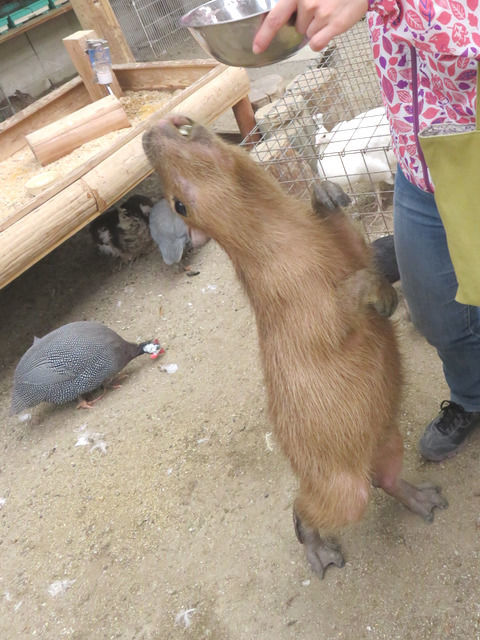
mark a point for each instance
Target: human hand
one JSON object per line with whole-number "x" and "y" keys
{"x": 319, "y": 20}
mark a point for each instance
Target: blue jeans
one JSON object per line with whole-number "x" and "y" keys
{"x": 429, "y": 285}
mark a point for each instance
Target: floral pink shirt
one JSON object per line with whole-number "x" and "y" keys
{"x": 446, "y": 37}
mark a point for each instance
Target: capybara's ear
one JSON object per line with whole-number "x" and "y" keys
{"x": 328, "y": 198}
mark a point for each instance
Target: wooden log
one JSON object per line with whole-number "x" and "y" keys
{"x": 161, "y": 75}
{"x": 66, "y": 134}
{"x": 76, "y": 45}
{"x": 56, "y": 104}
{"x": 23, "y": 245}
{"x": 99, "y": 15}
{"x": 36, "y": 234}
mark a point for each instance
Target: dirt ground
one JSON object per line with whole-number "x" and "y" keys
{"x": 189, "y": 508}
{"x": 165, "y": 511}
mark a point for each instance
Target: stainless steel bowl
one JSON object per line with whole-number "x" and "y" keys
{"x": 226, "y": 28}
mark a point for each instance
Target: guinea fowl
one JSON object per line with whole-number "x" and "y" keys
{"x": 172, "y": 236}
{"x": 122, "y": 232}
{"x": 70, "y": 361}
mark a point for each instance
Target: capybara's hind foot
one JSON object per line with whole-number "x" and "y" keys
{"x": 320, "y": 553}
{"x": 421, "y": 499}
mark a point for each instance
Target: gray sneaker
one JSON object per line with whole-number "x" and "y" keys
{"x": 444, "y": 435}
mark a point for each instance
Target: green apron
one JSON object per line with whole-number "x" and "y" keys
{"x": 452, "y": 154}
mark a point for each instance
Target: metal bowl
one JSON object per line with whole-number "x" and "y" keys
{"x": 226, "y": 28}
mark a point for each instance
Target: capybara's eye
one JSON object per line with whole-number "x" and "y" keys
{"x": 180, "y": 208}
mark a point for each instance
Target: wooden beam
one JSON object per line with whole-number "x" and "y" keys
{"x": 99, "y": 15}
{"x": 56, "y": 219}
{"x": 57, "y": 103}
{"x": 168, "y": 75}
{"x": 76, "y": 46}
{"x": 59, "y": 138}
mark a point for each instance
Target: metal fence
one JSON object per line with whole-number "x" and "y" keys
{"x": 152, "y": 27}
{"x": 331, "y": 124}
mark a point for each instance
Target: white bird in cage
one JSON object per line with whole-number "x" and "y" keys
{"x": 357, "y": 150}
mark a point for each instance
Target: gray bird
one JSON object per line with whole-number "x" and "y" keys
{"x": 70, "y": 361}
{"x": 169, "y": 232}
{"x": 172, "y": 236}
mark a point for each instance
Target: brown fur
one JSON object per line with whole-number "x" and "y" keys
{"x": 330, "y": 361}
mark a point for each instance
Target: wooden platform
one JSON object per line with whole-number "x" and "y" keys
{"x": 203, "y": 90}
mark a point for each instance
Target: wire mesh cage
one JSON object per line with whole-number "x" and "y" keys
{"x": 330, "y": 123}
{"x": 152, "y": 27}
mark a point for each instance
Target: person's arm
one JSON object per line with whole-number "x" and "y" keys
{"x": 319, "y": 20}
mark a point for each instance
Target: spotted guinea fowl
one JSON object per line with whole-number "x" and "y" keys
{"x": 70, "y": 361}
{"x": 172, "y": 236}
{"x": 122, "y": 232}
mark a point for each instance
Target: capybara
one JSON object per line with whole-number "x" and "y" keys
{"x": 329, "y": 354}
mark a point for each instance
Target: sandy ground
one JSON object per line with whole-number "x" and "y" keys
{"x": 189, "y": 508}
{"x": 181, "y": 527}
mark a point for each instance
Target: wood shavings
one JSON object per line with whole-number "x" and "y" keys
{"x": 59, "y": 586}
{"x": 184, "y": 617}
{"x": 22, "y": 165}
{"x": 93, "y": 440}
{"x": 169, "y": 368}
{"x": 268, "y": 441}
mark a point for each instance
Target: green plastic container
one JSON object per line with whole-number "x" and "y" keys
{"x": 33, "y": 10}
{"x": 3, "y": 25}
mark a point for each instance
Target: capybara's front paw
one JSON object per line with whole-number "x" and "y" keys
{"x": 328, "y": 197}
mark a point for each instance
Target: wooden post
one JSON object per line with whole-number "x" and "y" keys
{"x": 243, "y": 112}
{"x": 99, "y": 15}
{"x": 58, "y": 138}
{"x": 76, "y": 45}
